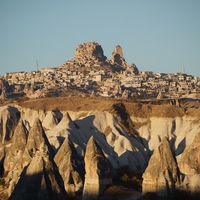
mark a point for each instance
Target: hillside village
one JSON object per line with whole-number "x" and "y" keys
{"x": 99, "y": 148}
{"x": 90, "y": 73}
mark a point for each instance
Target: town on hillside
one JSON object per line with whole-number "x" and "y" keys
{"x": 90, "y": 73}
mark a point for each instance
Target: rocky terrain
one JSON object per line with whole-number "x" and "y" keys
{"x": 90, "y": 55}
{"x": 97, "y": 128}
{"x": 72, "y": 147}
{"x": 91, "y": 74}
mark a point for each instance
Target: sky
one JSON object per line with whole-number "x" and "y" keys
{"x": 156, "y": 35}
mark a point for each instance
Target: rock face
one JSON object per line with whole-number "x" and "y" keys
{"x": 91, "y": 55}
{"x": 98, "y": 170}
{"x": 118, "y": 57}
{"x": 13, "y": 159}
{"x": 22, "y": 150}
{"x": 40, "y": 180}
{"x": 50, "y": 121}
{"x": 189, "y": 165}
{"x": 8, "y": 122}
{"x": 88, "y": 54}
{"x": 161, "y": 174}
{"x": 126, "y": 139}
{"x": 4, "y": 88}
{"x": 160, "y": 95}
{"x": 36, "y": 136}
{"x": 189, "y": 162}
{"x": 3, "y": 95}
{"x": 90, "y": 51}
{"x": 69, "y": 166}
{"x": 125, "y": 94}
{"x": 135, "y": 69}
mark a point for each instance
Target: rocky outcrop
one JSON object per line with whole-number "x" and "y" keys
{"x": 36, "y": 136}
{"x": 13, "y": 158}
{"x": 22, "y": 150}
{"x": 161, "y": 174}
{"x": 8, "y": 121}
{"x": 98, "y": 170}
{"x": 91, "y": 55}
{"x": 3, "y": 95}
{"x": 160, "y": 95}
{"x": 191, "y": 183}
{"x": 88, "y": 54}
{"x": 118, "y": 57}
{"x": 70, "y": 167}
{"x": 125, "y": 94}
{"x": 40, "y": 179}
{"x": 189, "y": 165}
{"x": 90, "y": 51}
{"x": 189, "y": 162}
{"x": 4, "y": 88}
{"x": 13, "y": 163}
{"x": 127, "y": 138}
{"x": 135, "y": 70}
{"x": 50, "y": 121}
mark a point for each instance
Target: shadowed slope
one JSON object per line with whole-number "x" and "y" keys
{"x": 69, "y": 167}
{"x": 40, "y": 179}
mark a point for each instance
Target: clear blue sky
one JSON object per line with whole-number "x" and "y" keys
{"x": 156, "y": 35}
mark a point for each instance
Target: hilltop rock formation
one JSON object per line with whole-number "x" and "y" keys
{"x": 40, "y": 179}
{"x": 87, "y": 55}
{"x": 90, "y": 51}
{"x": 118, "y": 57}
{"x": 134, "y": 69}
{"x": 70, "y": 167}
{"x": 98, "y": 170}
{"x": 161, "y": 174}
{"x": 91, "y": 55}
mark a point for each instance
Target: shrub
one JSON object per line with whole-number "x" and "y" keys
{"x": 129, "y": 177}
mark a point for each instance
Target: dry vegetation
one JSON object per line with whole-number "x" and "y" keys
{"x": 67, "y": 103}
{"x": 149, "y": 110}
{"x": 138, "y": 109}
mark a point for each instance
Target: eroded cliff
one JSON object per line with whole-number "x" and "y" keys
{"x": 127, "y": 134}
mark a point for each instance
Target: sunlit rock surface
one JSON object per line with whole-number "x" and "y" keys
{"x": 161, "y": 174}
{"x": 70, "y": 167}
{"x": 127, "y": 136}
{"x": 13, "y": 163}
{"x": 13, "y": 158}
{"x": 9, "y": 117}
{"x": 118, "y": 57}
{"x": 189, "y": 162}
{"x": 98, "y": 171}
{"x": 36, "y": 136}
{"x": 40, "y": 179}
